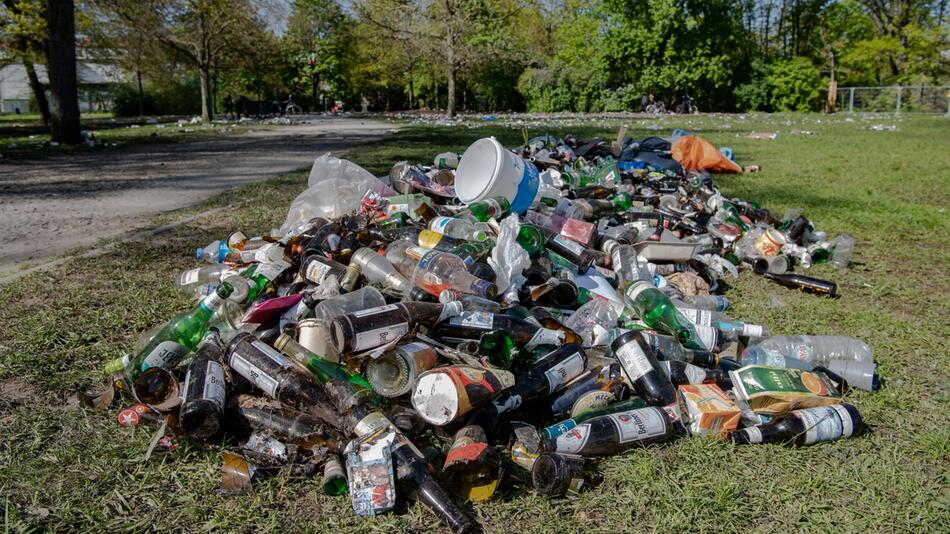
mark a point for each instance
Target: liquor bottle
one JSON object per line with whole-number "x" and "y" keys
{"x": 205, "y": 390}
{"x": 366, "y": 329}
{"x": 378, "y": 270}
{"x": 805, "y": 427}
{"x": 490, "y": 208}
{"x": 807, "y": 284}
{"x": 436, "y": 241}
{"x": 610, "y": 434}
{"x": 560, "y": 290}
{"x": 444, "y": 394}
{"x": 260, "y": 276}
{"x": 437, "y": 271}
{"x": 190, "y": 281}
{"x": 723, "y": 322}
{"x": 457, "y": 229}
{"x": 275, "y": 375}
{"x": 557, "y": 429}
{"x": 642, "y": 369}
{"x": 394, "y": 373}
{"x": 471, "y": 325}
{"x": 531, "y": 238}
{"x": 669, "y": 349}
{"x": 604, "y": 378}
{"x": 324, "y": 370}
{"x": 469, "y": 302}
{"x": 545, "y": 377}
{"x": 682, "y": 373}
{"x": 658, "y": 312}
{"x": 316, "y": 268}
{"x": 577, "y": 254}
{"x": 181, "y": 334}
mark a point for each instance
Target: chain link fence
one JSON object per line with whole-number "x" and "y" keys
{"x": 894, "y": 99}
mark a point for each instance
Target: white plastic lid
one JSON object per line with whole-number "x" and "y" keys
{"x": 478, "y": 169}
{"x": 436, "y": 398}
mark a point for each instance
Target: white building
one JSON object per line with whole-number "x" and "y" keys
{"x": 95, "y": 82}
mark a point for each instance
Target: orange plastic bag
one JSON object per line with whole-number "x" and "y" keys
{"x": 695, "y": 153}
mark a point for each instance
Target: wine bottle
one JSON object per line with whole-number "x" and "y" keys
{"x": 805, "y": 427}
{"x": 578, "y": 254}
{"x": 374, "y": 327}
{"x": 610, "y": 434}
{"x": 471, "y": 325}
{"x": 642, "y": 369}
{"x": 604, "y": 378}
{"x": 657, "y": 311}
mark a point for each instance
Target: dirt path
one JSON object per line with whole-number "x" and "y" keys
{"x": 53, "y": 205}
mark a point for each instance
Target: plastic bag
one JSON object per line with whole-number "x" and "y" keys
{"x": 335, "y": 187}
{"x": 508, "y": 258}
{"x": 595, "y": 312}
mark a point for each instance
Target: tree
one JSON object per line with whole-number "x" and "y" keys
{"x": 23, "y": 24}
{"x": 316, "y": 40}
{"x": 64, "y": 87}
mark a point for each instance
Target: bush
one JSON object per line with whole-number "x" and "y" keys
{"x": 754, "y": 96}
{"x": 794, "y": 85}
{"x": 169, "y": 98}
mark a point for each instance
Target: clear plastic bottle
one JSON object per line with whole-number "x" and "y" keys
{"x": 458, "y": 228}
{"x": 192, "y": 281}
{"x": 818, "y": 350}
{"x": 708, "y": 302}
{"x": 862, "y": 375}
{"x": 213, "y": 252}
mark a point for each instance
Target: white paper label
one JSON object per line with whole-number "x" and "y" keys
{"x": 271, "y": 353}
{"x": 753, "y": 330}
{"x": 573, "y": 441}
{"x": 825, "y": 423}
{"x": 271, "y": 270}
{"x": 374, "y": 311}
{"x": 564, "y": 372}
{"x": 166, "y": 354}
{"x": 545, "y": 336}
{"x": 634, "y": 361}
{"x": 699, "y": 317}
{"x": 439, "y": 223}
{"x": 259, "y": 378}
{"x": 189, "y": 277}
{"x": 569, "y": 244}
{"x": 474, "y": 319}
{"x": 638, "y": 425}
{"x": 214, "y": 387}
{"x": 379, "y": 336}
{"x": 706, "y": 336}
{"x": 317, "y": 272}
{"x": 755, "y": 435}
{"x": 695, "y": 374}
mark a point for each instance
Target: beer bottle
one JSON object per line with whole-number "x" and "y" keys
{"x": 394, "y": 373}
{"x": 324, "y": 370}
{"x": 444, "y": 394}
{"x": 643, "y": 370}
{"x": 471, "y": 325}
{"x": 657, "y": 311}
{"x": 573, "y": 251}
{"x": 805, "y": 427}
{"x": 366, "y": 329}
{"x": 473, "y": 251}
{"x": 204, "y": 390}
{"x": 173, "y": 341}
{"x": 682, "y": 373}
{"x": 378, "y": 270}
{"x": 531, "y": 238}
{"x": 560, "y": 290}
{"x": 807, "y": 284}
{"x": 490, "y": 208}
{"x": 610, "y": 434}
{"x": 540, "y": 270}
{"x": 472, "y": 467}
{"x": 556, "y": 475}
{"x": 604, "y": 378}
{"x": 591, "y": 191}
{"x": 564, "y": 426}
{"x": 277, "y": 377}
{"x": 545, "y": 377}
{"x": 252, "y": 413}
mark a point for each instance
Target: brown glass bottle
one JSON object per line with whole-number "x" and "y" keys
{"x": 572, "y": 251}
{"x": 374, "y": 327}
{"x": 807, "y": 284}
{"x": 643, "y": 370}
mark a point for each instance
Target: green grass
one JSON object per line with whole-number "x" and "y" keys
{"x": 67, "y": 469}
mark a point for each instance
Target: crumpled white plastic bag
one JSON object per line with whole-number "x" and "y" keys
{"x": 335, "y": 187}
{"x": 508, "y": 258}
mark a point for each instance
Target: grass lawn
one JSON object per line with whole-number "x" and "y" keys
{"x": 66, "y": 469}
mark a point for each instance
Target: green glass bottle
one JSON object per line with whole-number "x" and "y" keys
{"x": 622, "y": 201}
{"x": 472, "y": 251}
{"x": 606, "y": 173}
{"x": 531, "y": 238}
{"x": 260, "y": 275}
{"x": 182, "y": 334}
{"x": 325, "y": 370}
{"x": 490, "y": 208}
{"x": 656, "y": 310}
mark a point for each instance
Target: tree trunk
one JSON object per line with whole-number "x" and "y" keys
{"x": 452, "y": 68}
{"x": 64, "y": 108}
{"x": 204, "y": 80}
{"x": 138, "y": 78}
{"x": 39, "y": 92}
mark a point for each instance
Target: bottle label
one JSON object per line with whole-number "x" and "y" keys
{"x": 271, "y": 353}
{"x": 271, "y": 270}
{"x": 214, "y": 386}
{"x": 695, "y": 374}
{"x": 699, "y": 317}
{"x": 212, "y": 301}
{"x": 634, "y": 361}
{"x": 754, "y": 434}
{"x": 427, "y": 259}
{"x": 574, "y": 440}
{"x": 259, "y": 378}
{"x": 562, "y": 373}
{"x": 753, "y": 330}
{"x": 371, "y": 424}
{"x": 379, "y": 336}
{"x": 189, "y": 277}
{"x": 375, "y": 311}
{"x": 803, "y": 352}
{"x": 568, "y": 244}
{"x": 166, "y": 354}
{"x": 635, "y": 289}
{"x": 825, "y": 423}
{"x": 559, "y": 429}
{"x": 439, "y": 223}
{"x": 706, "y": 336}
{"x": 429, "y": 239}
{"x": 639, "y": 425}
{"x": 545, "y": 336}
{"x": 474, "y": 319}
{"x": 417, "y": 252}
{"x": 317, "y": 272}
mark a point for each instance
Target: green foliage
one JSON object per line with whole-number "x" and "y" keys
{"x": 754, "y": 95}
{"x": 171, "y": 97}
{"x": 794, "y": 85}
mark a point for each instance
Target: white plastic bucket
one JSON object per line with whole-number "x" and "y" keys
{"x": 488, "y": 170}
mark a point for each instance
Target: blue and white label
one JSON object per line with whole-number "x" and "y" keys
{"x": 527, "y": 189}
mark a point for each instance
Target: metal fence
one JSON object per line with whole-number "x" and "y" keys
{"x": 894, "y": 99}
